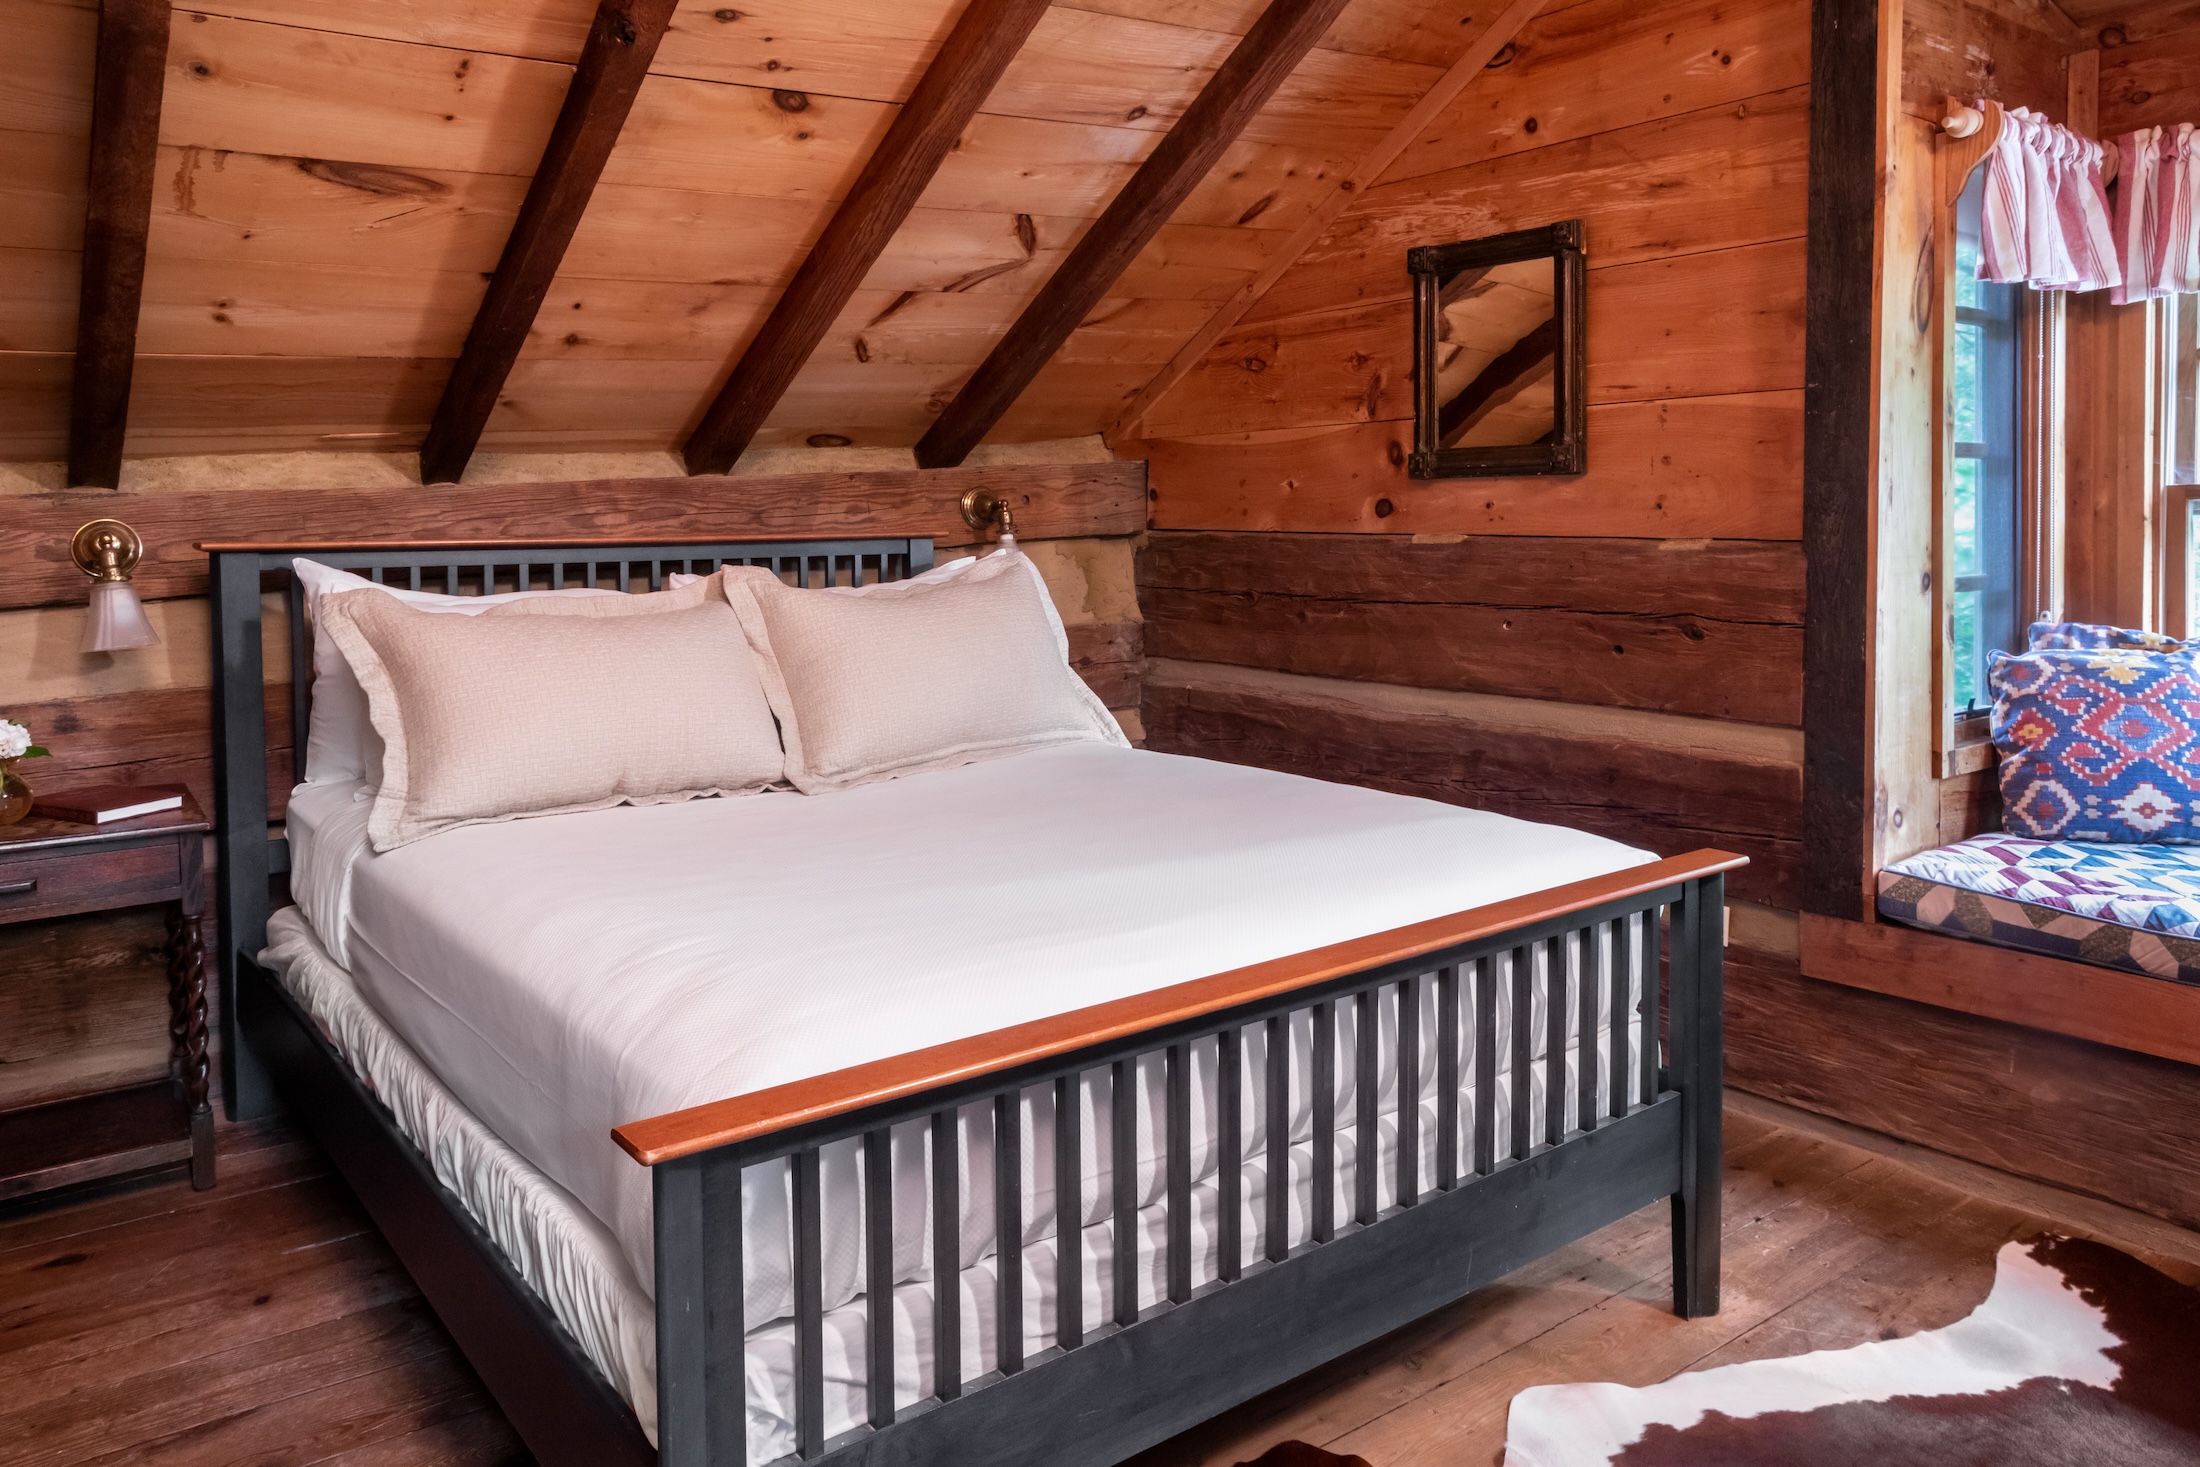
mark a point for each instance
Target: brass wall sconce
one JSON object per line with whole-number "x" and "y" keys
{"x": 107, "y": 551}
{"x": 984, "y": 510}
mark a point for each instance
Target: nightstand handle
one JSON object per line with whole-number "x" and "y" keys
{"x": 18, "y": 888}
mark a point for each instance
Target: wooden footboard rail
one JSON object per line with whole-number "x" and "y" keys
{"x": 1621, "y": 1132}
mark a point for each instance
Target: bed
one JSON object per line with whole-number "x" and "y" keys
{"x": 703, "y": 1161}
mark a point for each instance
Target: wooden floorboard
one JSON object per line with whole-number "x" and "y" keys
{"x": 265, "y": 1322}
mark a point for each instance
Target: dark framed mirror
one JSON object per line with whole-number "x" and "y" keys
{"x": 1499, "y": 352}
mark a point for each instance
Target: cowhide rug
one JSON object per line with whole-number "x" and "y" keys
{"x": 2080, "y": 1357}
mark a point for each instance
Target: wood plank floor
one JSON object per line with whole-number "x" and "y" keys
{"x": 265, "y": 1322}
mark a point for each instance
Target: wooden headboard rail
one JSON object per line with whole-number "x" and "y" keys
{"x": 778, "y": 1111}
{"x": 236, "y": 571}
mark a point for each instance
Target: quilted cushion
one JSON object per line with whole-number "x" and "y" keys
{"x": 2136, "y": 908}
{"x": 2049, "y": 636}
{"x": 2099, "y": 745}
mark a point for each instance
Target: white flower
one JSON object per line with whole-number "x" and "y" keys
{"x": 14, "y": 739}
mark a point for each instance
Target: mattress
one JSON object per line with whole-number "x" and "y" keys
{"x": 2133, "y": 907}
{"x": 741, "y": 942}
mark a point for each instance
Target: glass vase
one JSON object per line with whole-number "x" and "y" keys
{"x": 15, "y": 796}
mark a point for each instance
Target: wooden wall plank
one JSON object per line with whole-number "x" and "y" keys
{"x": 981, "y": 47}
{"x": 1111, "y": 658}
{"x": 1052, "y": 502}
{"x": 1726, "y": 468}
{"x": 1664, "y": 798}
{"x": 1610, "y": 64}
{"x": 126, "y": 102}
{"x": 1707, "y": 325}
{"x": 2104, "y": 1121}
{"x": 613, "y": 61}
{"x": 2153, "y": 82}
{"x": 2012, "y": 53}
{"x": 150, "y": 736}
{"x": 1582, "y": 620}
{"x": 1705, "y": 180}
{"x": 1722, "y": 580}
{"x": 1231, "y": 97}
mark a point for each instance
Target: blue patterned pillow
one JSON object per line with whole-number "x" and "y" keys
{"x": 2050, "y": 636}
{"x": 2098, "y": 745}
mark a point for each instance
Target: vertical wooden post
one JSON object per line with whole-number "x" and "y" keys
{"x": 1695, "y": 1061}
{"x": 118, "y": 208}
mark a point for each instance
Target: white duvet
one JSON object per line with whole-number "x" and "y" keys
{"x": 566, "y": 975}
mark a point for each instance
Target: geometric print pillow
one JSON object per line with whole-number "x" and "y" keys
{"x": 2098, "y": 745}
{"x": 2049, "y": 636}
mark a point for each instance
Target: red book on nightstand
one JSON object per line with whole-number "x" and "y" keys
{"x": 103, "y": 804}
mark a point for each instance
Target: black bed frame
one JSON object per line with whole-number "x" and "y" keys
{"x": 1112, "y": 1386}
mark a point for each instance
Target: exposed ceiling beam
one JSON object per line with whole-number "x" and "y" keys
{"x": 961, "y": 76}
{"x": 1472, "y": 63}
{"x": 128, "y": 71}
{"x": 613, "y": 62}
{"x": 1237, "y": 91}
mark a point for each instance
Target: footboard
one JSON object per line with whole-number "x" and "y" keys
{"x": 1560, "y": 989}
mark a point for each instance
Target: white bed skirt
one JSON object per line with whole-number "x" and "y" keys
{"x": 573, "y": 1261}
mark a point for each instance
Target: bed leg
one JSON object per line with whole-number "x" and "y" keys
{"x": 1695, "y": 1068}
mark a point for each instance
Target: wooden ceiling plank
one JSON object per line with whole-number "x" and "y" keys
{"x": 985, "y": 39}
{"x": 1470, "y": 65}
{"x": 1282, "y": 36}
{"x": 128, "y": 71}
{"x": 613, "y": 63}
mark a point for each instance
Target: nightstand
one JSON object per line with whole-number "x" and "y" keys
{"x": 52, "y": 868}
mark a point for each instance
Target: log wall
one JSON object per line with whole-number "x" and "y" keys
{"x": 1620, "y": 651}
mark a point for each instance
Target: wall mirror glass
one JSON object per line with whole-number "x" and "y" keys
{"x": 1498, "y": 355}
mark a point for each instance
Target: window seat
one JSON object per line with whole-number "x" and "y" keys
{"x": 2135, "y": 908}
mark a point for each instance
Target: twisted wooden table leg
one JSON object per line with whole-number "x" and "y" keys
{"x": 187, "y": 1024}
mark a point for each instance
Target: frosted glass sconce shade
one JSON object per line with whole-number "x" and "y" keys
{"x": 107, "y": 551}
{"x": 117, "y": 619}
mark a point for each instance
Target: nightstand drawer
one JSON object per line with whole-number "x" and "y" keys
{"x": 76, "y": 881}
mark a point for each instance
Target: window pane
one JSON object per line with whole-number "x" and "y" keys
{"x": 1984, "y": 535}
{"x": 2179, "y": 432}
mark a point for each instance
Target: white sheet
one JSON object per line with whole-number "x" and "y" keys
{"x": 566, "y": 975}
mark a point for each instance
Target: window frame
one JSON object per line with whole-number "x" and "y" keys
{"x": 1961, "y": 742}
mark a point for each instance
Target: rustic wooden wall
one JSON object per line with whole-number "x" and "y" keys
{"x": 1620, "y": 651}
{"x": 2150, "y": 65}
{"x": 83, "y": 1002}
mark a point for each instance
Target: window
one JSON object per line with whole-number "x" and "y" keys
{"x": 2180, "y": 438}
{"x": 1983, "y": 519}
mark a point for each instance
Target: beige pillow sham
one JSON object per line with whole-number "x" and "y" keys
{"x": 874, "y": 682}
{"x": 546, "y": 707}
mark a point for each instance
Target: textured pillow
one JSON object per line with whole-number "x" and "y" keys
{"x": 536, "y": 708}
{"x": 2098, "y": 745}
{"x": 2051, "y": 636}
{"x": 341, "y": 744}
{"x": 969, "y": 662}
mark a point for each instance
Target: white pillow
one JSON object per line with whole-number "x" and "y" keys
{"x": 341, "y": 744}
{"x": 966, "y": 662}
{"x": 546, "y": 709}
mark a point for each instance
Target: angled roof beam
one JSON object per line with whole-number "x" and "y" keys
{"x": 1478, "y": 57}
{"x": 961, "y": 76}
{"x": 127, "y": 74}
{"x": 1283, "y": 35}
{"x": 615, "y": 58}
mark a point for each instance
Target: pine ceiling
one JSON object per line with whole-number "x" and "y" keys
{"x": 336, "y": 180}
